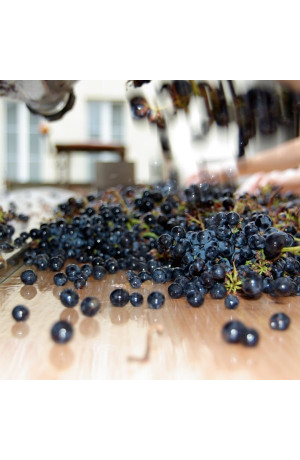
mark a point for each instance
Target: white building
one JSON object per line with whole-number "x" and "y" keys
{"x": 101, "y": 111}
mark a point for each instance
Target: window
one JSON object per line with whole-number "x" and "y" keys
{"x": 23, "y": 144}
{"x": 11, "y": 141}
{"x": 94, "y": 124}
{"x": 117, "y": 123}
{"x": 34, "y": 149}
{"x": 105, "y": 124}
{"x": 106, "y": 121}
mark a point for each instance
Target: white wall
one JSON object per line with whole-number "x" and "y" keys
{"x": 140, "y": 139}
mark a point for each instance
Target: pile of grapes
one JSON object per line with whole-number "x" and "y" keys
{"x": 7, "y": 231}
{"x": 202, "y": 241}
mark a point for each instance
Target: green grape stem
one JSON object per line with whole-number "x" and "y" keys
{"x": 292, "y": 250}
{"x": 149, "y": 235}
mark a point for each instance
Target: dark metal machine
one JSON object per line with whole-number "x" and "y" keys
{"x": 48, "y": 98}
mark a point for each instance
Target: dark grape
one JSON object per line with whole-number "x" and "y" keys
{"x": 195, "y": 298}
{"x": 155, "y": 300}
{"x": 175, "y": 291}
{"x": 136, "y": 299}
{"x": 119, "y": 297}
{"x": 280, "y": 321}
{"x": 90, "y": 306}
{"x": 250, "y": 338}
{"x": 234, "y": 332}
{"x": 62, "y": 332}
{"x": 231, "y": 301}
{"x": 28, "y": 277}
{"x": 284, "y": 286}
{"x": 20, "y": 313}
{"x": 69, "y": 298}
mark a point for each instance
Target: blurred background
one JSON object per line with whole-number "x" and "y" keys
{"x": 102, "y": 114}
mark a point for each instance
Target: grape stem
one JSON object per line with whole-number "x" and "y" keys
{"x": 293, "y": 249}
{"x": 149, "y": 235}
{"x": 233, "y": 283}
{"x": 121, "y": 200}
{"x": 197, "y": 221}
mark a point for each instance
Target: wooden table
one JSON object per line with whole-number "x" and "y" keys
{"x": 65, "y": 150}
{"x": 112, "y": 344}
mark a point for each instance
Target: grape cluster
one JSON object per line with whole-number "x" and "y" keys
{"x": 201, "y": 240}
{"x": 6, "y": 233}
{"x": 7, "y": 230}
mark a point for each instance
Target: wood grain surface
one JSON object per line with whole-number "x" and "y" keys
{"x": 186, "y": 342}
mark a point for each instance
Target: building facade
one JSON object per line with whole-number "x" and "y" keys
{"x": 101, "y": 112}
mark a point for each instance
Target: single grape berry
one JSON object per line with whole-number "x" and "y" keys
{"x": 253, "y": 285}
{"x": 119, "y": 297}
{"x": 69, "y": 298}
{"x": 284, "y": 286}
{"x": 41, "y": 263}
{"x": 218, "y": 272}
{"x": 175, "y": 291}
{"x": 145, "y": 276}
{"x": 80, "y": 282}
{"x": 90, "y": 306}
{"x": 62, "y": 332}
{"x": 280, "y": 321}
{"x": 86, "y": 270}
{"x": 28, "y": 277}
{"x": 232, "y": 218}
{"x": 251, "y": 337}
{"x": 189, "y": 287}
{"x": 178, "y": 232}
{"x": 268, "y": 286}
{"x": 256, "y": 241}
{"x": 99, "y": 272}
{"x": 273, "y": 244}
{"x": 72, "y": 272}
{"x": 231, "y": 301}
{"x": 56, "y": 263}
{"x": 112, "y": 266}
{"x": 165, "y": 241}
{"x": 159, "y": 275}
{"x": 234, "y": 332}
{"x": 20, "y": 313}
{"x": 263, "y": 221}
{"x": 135, "y": 282}
{"x": 155, "y": 300}
{"x": 136, "y": 299}
{"x": 195, "y": 298}
{"x": 218, "y": 291}
{"x": 60, "y": 279}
